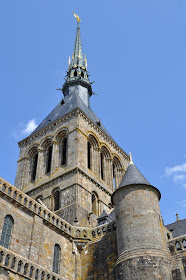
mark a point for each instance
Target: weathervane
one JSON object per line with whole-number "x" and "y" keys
{"x": 77, "y": 17}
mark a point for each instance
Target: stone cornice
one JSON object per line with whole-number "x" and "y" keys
{"x": 75, "y": 112}
{"x": 74, "y": 170}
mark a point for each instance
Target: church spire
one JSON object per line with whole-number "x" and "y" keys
{"x": 77, "y": 73}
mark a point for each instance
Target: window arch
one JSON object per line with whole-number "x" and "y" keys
{"x": 117, "y": 174}
{"x": 7, "y": 231}
{"x": 48, "y": 159}
{"x": 104, "y": 154}
{"x": 56, "y": 259}
{"x": 33, "y": 155}
{"x": 57, "y": 202}
{"x": 95, "y": 203}
{"x": 91, "y": 152}
{"x": 63, "y": 146}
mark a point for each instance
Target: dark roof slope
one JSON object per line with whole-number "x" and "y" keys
{"x": 178, "y": 228}
{"x": 133, "y": 177}
{"x": 71, "y": 102}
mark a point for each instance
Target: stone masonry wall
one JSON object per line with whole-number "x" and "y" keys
{"x": 33, "y": 239}
{"x": 98, "y": 259}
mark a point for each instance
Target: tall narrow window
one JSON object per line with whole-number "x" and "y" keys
{"x": 7, "y": 231}
{"x": 89, "y": 155}
{"x": 64, "y": 151}
{"x": 56, "y": 260}
{"x": 56, "y": 200}
{"x": 49, "y": 159}
{"x": 34, "y": 167}
{"x": 102, "y": 166}
{"x": 114, "y": 177}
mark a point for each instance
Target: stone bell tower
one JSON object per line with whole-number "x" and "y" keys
{"x": 142, "y": 253}
{"x": 70, "y": 163}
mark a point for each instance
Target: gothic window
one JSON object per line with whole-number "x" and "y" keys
{"x": 56, "y": 200}
{"x": 34, "y": 166}
{"x": 48, "y": 159}
{"x": 56, "y": 259}
{"x": 63, "y": 151}
{"x": 117, "y": 175}
{"x": 82, "y": 74}
{"x": 92, "y": 154}
{"x": 7, "y": 231}
{"x": 89, "y": 154}
{"x": 95, "y": 203}
{"x": 75, "y": 73}
{"x": 114, "y": 176}
{"x": 102, "y": 166}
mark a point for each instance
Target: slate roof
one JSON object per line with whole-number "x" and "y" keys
{"x": 71, "y": 102}
{"x": 178, "y": 228}
{"x": 133, "y": 177}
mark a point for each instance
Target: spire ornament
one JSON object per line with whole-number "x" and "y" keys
{"x": 77, "y": 17}
{"x": 131, "y": 162}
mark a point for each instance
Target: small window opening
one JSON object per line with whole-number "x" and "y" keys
{"x": 168, "y": 236}
{"x": 56, "y": 200}
{"x": 49, "y": 159}
{"x": 89, "y": 155}
{"x": 102, "y": 165}
{"x": 82, "y": 74}
{"x": 56, "y": 259}
{"x": 64, "y": 151}
{"x": 34, "y": 167}
{"x": 75, "y": 73}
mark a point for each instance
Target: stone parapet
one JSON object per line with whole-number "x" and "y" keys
{"x": 23, "y": 267}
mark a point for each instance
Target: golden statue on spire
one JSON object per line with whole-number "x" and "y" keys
{"x": 130, "y": 156}
{"x": 77, "y": 17}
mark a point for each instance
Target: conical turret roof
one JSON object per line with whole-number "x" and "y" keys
{"x": 133, "y": 177}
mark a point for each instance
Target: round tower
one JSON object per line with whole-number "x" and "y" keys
{"x": 141, "y": 246}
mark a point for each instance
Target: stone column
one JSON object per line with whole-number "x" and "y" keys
{"x": 40, "y": 165}
{"x": 55, "y": 156}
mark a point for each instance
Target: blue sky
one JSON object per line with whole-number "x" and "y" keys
{"x": 136, "y": 52}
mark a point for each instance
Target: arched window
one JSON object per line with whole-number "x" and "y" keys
{"x": 95, "y": 203}
{"x": 56, "y": 200}
{"x": 89, "y": 155}
{"x": 114, "y": 177}
{"x": 56, "y": 259}
{"x": 7, "y": 231}
{"x": 34, "y": 166}
{"x": 82, "y": 74}
{"x": 102, "y": 166}
{"x": 75, "y": 73}
{"x": 63, "y": 151}
{"x": 48, "y": 159}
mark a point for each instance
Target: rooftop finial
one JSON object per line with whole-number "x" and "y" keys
{"x": 77, "y": 17}
{"x": 177, "y": 217}
{"x": 131, "y": 162}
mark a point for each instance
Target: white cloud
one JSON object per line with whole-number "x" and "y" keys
{"x": 177, "y": 174}
{"x": 179, "y": 178}
{"x": 24, "y": 129}
{"x": 29, "y": 127}
{"x": 177, "y": 168}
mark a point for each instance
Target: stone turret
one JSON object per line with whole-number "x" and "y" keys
{"x": 140, "y": 241}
